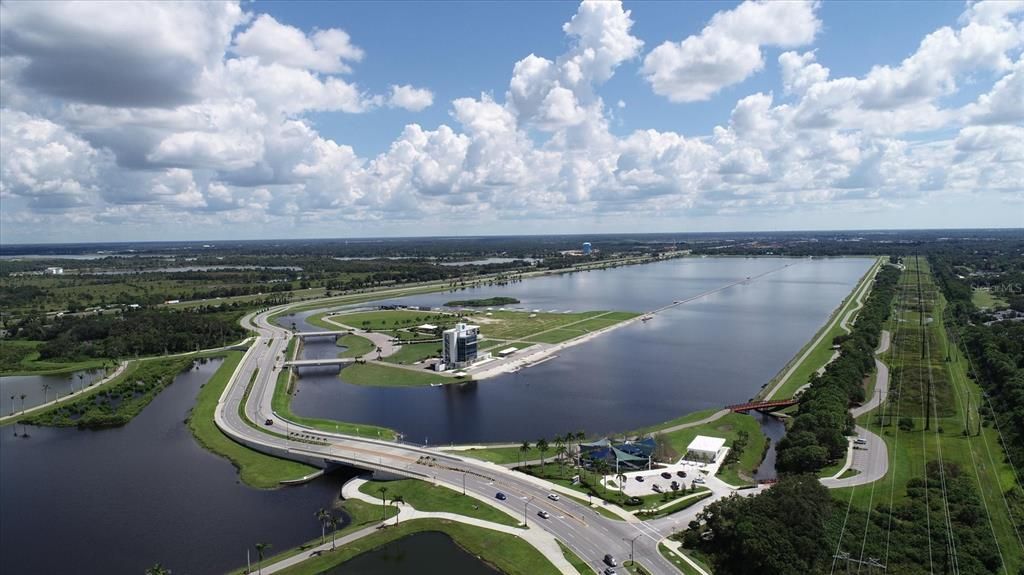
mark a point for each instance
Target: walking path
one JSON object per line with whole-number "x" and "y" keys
{"x": 73, "y": 395}
{"x": 541, "y": 540}
{"x": 860, "y": 290}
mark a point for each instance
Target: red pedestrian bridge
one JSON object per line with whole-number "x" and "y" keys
{"x": 762, "y": 405}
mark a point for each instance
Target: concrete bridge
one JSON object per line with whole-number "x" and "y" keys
{"x": 295, "y": 364}
{"x": 305, "y": 334}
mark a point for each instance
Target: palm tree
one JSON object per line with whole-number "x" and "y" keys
{"x": 12, "y": 404}
{"x": 383, "y": 508}
{"x": 260, "y": 547}
{"x": 158, "y": 569}
{"x": 580, "y": 436}
{"x": 46, "y": 391}
{"x": 398, "y": 499}
{"x": 322, "y": 516}
{"x": 622, "y": 482}
{"x": 332, "y": 522}
{"x": 542, "y": 446}
{"x": 23, "y": 396}
{"x": 523, "y": 449}
{"x": 562, "y": 452}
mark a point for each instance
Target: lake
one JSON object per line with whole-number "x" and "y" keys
{"x": 707, "y": 353}
{"x": 119, "y": 500}
{"x": 32, "y": 387}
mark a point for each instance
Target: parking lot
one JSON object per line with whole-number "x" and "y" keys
{"x": 652, "y": 478}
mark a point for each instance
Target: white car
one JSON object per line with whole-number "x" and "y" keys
{"x": 543, "y": 514}
{"x": 553, "y": 496}
{"x": 698, "y": 480}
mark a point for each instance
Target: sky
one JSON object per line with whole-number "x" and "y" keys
{"x": 173, "y": 121}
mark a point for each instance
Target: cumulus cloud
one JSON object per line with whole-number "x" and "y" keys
{"x": 271, "y": 42}
{"x": 239, "y": 146}
{"x": 728, "y": 49}
{"x": 116, "y": 53}
{"x": 410, "y": 98}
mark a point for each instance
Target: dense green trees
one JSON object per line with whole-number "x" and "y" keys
{"x": 819, "y": 430}
{"x": 780, "y": 531}
{"x": 139, "y": 332}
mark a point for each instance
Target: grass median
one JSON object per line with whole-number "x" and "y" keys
{"x": 425, "y": 496}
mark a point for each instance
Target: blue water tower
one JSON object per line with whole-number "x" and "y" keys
{"x": 586, "y": 248}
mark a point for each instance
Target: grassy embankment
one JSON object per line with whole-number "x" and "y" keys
{"x": 254, "y": 468}
{"x": 508, "y": 553}
{"x": 425, "y": 496}
{"x": 281, "y": 404}
{"x": 822, "y": 350}
{"x": 920, "y": 346}
{"x": 360, "y": 514}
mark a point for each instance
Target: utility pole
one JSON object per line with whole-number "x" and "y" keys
{"x": 631, "y": 544}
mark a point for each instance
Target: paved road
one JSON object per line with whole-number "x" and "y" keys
{"x": 580, "y": 527}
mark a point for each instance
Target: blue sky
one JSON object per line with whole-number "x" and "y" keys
{"x": 312, "y": 119}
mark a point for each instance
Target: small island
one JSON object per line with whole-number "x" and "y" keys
{"x": 491, "y": 301}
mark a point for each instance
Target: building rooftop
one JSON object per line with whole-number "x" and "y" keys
{"x": 705, "y": 443}
{"x": 427, "y": 327}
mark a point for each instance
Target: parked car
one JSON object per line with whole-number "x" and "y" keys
{"x": 544, "y": 514}
{"x": 268, "y": 422}
{"x": 666, "y": 475}
{"x": 610, "y": 560}
{"x": 501, "y": 496}
{"x": 681, "y": 473}
{"x": 553, "y": 496}
{"x": 656, "y": 488}
{"x": 640, "y": 478}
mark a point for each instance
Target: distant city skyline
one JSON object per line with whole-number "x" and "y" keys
{"x": 218, "y": 121}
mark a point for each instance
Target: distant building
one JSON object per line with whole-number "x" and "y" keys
{"x": 460, "y": 343}
{"x": 587, "y": 248}
{"x": 54, "y": 271}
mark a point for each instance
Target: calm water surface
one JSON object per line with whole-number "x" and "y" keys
{"x": 119, "y": 500}
{"x": 13, "y": 386}
{"x": 426, "y": 552}
{"x": 713, "y": 351}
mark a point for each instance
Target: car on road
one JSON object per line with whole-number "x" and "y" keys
{"x": 861, "y": 441}
{"x": 640, "y": 478}
{"x": 268, "y": 422}
{"x": 698, "y": 480}
{"x": 666, "y": 475}
{"x": 681, "y": 473}
{"x": 553, "y": 496}
{"x": 609, "y": 571}
{"x": 500, "y": 496}
{"x": 543, "y": 514}
{"x": 610, "y": 560}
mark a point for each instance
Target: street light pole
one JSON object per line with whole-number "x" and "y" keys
{"x": 526, "y": 506}
{"x": 463, "y": 482}
{"x": 632, "y": 542}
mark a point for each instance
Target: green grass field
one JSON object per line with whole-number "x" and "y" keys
{"x": 254, "y": 468}
{"x": 426, "y": 496}
{"x": 508, "y": 553}
{"x": 412, "y": 352}
{"x": 985, "y": 299}
{"x": 502, "y": 454}
{"x": 393, "y": 319}
{"x": 355, "y": 345}
{"x": 956, "y": 399}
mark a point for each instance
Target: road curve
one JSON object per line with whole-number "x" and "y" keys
{"x": 580, "y": 527}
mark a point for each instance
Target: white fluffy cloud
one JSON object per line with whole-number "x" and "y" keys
{"x": 728, "y": 50}
{"x": 237, "y": 144}
{"x": 271, "y": 42}
{"x": 410, "y": 98}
